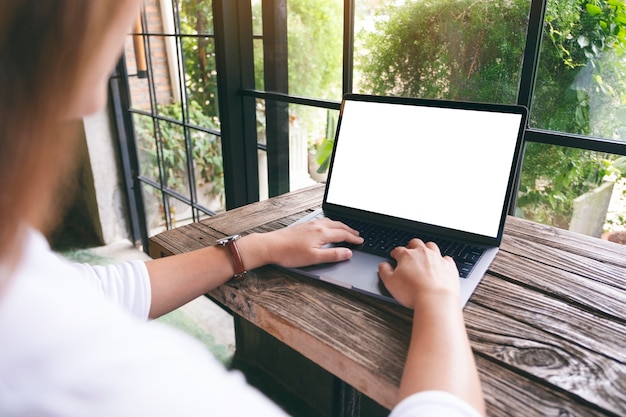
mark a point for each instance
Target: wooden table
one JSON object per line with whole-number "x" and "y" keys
{"x": 547, "y": 323}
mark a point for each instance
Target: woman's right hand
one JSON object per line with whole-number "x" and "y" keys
{"x": 421, "y": 274}
{"x": 439, "y": 357}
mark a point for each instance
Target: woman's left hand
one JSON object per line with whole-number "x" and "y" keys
{"x": 304, "y": 244}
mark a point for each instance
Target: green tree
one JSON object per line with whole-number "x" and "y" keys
{"x": 581, "y": 40}
{"x": 553, "y": 177}
{"x": 472, "y": 50}
{"x": 169, "y": 138}
{"x": 196, "y": 18}
{"x": 315, "y": 48}
{"x": 456, "y": 49}
{"x": 314, "y": 58}
{"x": 578, "y": 75}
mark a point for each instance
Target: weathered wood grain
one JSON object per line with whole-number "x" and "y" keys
{"x": 507, "y": 393}
{"x": 326, "y": 326}
{"x": 282, "y": 210}
{"x": 361, "y": 345}
{"x": 588, "y": 269}
{"x": 599, "y": 293}
{"x": 547, "y": 323}
{"x": 515, "y": 335}
{"x": 182, "y": 239}
{"x": 586, "y": 246}
{"x": 597, "y": 334}
{"x": 254, "y": 215}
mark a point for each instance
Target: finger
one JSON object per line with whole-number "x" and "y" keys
{"x": 342, "y": 235}
{"x": 433, "y": 246}
{"x": 451, "y": 262}
{"x": 335, "y": 225}
{"x": 344, "y": 226}
{"x": 396, "y": 252}
{"x": 337, "y": 254}
{"x": 415, "y": 243}
{"x": 385, "y": 270}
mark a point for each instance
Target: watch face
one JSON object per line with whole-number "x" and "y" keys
{"x": 226, "y": 239}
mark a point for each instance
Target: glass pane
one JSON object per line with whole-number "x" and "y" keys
{"x": 262, "y": 154}
{"x": 259, "y": 81}
{"x": 581, "y": 79}
{"x": 160, "y": 56}
{"x": 311, "y": 137}
{"x": 180, "y": 212}
{"x": 159, "y": 16}
{"x": 257, "y": 19}
{"x": 208, "y": 168}
{"x": 146, "y": 147}
{"x": 315, "y": 48}
{"x": 174, "y": 158}
{"x": 261, "y": 137}
{"x": 163, "y": 68}
{"x": 263, "y": 176}
{"x": 196, "y": 17}
{"x": 444, "y": 49}
{"x": 573, "y": 189}
{"x": 311, "y": 134}
{"x": 201, "y": 81}
{"x": 139, "y": 87}
{"x": 202, "y": 216}
{"x": 155, "y": 213}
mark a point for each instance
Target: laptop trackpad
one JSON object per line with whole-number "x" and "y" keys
{"x": 359, "y": 272}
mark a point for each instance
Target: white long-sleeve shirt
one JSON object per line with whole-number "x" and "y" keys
{"x": 75, "y": 342}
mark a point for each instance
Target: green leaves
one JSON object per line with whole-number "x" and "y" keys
{"x": 554, "y": 176}
{"x": 168, "y": 144}
{"x": 593, "y": 9}
{"x": 454, "y": 49}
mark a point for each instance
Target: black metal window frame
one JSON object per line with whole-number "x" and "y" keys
{"x": 274, "y": 14}
{"x": 233, "y": 36}
{"x": 120, "y": 99}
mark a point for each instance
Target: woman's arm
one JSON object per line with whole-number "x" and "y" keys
{"x": 439, "y": 356}
{"x": 176, "y": 280}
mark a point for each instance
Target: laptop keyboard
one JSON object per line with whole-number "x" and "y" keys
{"x": 380, "y": 240}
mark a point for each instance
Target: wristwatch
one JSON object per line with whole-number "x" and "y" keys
{"x": 230, "y": 242}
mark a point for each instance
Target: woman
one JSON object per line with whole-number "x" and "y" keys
{"x": 75, "y": 339}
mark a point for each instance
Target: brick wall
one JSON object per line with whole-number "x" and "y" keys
{"x": 156, "y": 47}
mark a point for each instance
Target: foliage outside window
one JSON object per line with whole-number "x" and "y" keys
{"x": 199, "y": 53}
{"x": 206, "y": 152}
{"x": 314, "y": 43}
{"x": 447, "y": 49}
{"x": 169, "y": 149}
{"x": 472, "y": 50}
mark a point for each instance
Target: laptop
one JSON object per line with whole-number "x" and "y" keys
{"x": 443, "y": 171}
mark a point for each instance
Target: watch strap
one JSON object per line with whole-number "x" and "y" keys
{"x": 235, "y": 255}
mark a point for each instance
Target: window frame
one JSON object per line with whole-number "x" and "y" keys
{"x": 237, "y": 94}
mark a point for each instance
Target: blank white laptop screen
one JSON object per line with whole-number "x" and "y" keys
{"x": 440, "y": 166}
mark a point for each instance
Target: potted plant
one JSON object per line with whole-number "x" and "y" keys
{"x": 321, "y": 150}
